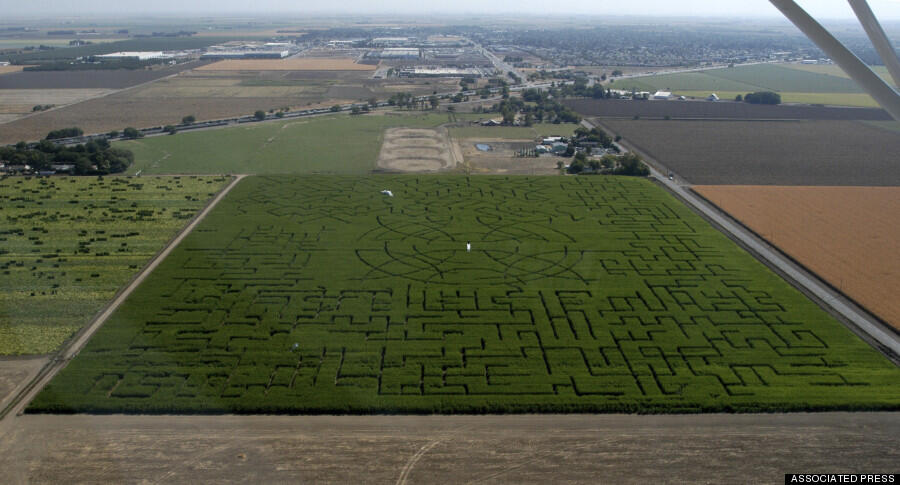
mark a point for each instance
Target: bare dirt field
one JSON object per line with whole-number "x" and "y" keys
{"x": 769, "y": 152}
{"x": 616, "y": 108}
{"x": 502, "y": 159}
{"x": 21, "y": 101}
{"x": 214, "y": 95}
{"x": 416, "y": 150}
{"x": 15, "y": 373}
{"x": 100, "y": 79}
{"x": 10, "y": 69}
{"x": 446, "y": 449}
{"x": 850, "y": 236}
{"x": 290, "y": 64}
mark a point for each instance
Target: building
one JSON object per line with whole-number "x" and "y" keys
{"x": 662, "y": 95}
{"x": 387, "y": 41}
{"x": 712, "y": 97}
{"x": 136, "y": 55}
{"x": 398, "y": 53}
{"x": 438, "y": 72}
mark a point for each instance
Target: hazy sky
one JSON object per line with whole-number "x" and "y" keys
{"x": 885, "y": 9}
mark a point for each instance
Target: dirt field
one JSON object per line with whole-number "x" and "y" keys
{"x": 850, "y": 236}
{"x": 614, "y": 108}
{"x": 291, "y": 64}
{"x": 213, "y": 95}
{"x": 21, "y": 101}
{"x": 768, "y": 153}
{"x": 16, "y": 372}
{"x": 416, "y": 150}
{"x": 501, "y": 159}
{"x": 446, "y": 449}
{"x": 10, "y": 69}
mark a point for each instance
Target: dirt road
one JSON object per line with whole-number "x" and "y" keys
{"x": 446, "y": 449}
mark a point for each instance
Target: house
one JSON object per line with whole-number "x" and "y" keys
{"x": 551, "y": 140}
{"x": 492, "y": 122}
{"x": 712, "y": 97}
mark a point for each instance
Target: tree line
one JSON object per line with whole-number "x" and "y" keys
{"x": 95, "y": 157}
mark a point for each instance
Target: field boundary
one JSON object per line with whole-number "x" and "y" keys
{"x": 854, "y": 317}
{"x": 860, "y": 306}
{"x": 74, "y": 345}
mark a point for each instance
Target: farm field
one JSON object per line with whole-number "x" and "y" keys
{"x": 860, "y": 100}
{"x": 100, "y": 79}
{"x": 10, "y": 69}
{"x": 796, "y": 83}
{"x": 340, "y": 144}
{"x": 69, "y": 243}
{"x": 767, "y": 153}
{"x": 291, "y": 64}
{"x": 318, "y": 294}
{"x": 215, "y": 95}
{"x": 615, "y": 108}
{"x": 847, "y": 235}
{"x": 834, "y": 69}
{"x": 22, "y": 101}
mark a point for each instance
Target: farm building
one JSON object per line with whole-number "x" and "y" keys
{"x": 662, "y": 95}
{"x": 141, "y": 56}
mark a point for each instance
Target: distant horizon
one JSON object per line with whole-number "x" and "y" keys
{"x": 826, "y": 10}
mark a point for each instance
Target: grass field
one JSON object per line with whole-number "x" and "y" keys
{"x": 796, "y": 83}
{"x": 68, "y": 243}
{"x": 318, "y": 294}
{"x": 846, "y": 235}
{"x": 340, "y": 144}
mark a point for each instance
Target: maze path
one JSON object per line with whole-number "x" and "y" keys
{"x": 319, "y": 294}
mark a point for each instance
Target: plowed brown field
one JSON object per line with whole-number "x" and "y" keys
{"x": 292, "y": 64}
{"x": 850, "y": 236}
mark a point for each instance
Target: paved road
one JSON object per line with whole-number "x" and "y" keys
{"x": 59, "y": 361}
{"x": 865, "y": 324}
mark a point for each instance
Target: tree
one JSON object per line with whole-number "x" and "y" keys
{"x": 170, "y": 129}
{"x": 355, "y": 110}
{"x": 188, "y": 120}
{"x": 113, "y": 134}
{"x": 335, "y": 108}
{"x": 64, "y": 133}
{"x": 132, "y": 133}
{"x": 279, "y": 114}
{"x": 763, "y": 97}
{"x": 260, "y": 115}
{"x": 373, "y": 102}
{"x": 738, "y": 98}
{"x": 616, "y": 73}
{"x": 434, "y": 101}
{"x": 529, "y": 119}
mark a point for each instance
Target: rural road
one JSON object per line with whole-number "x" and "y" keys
{"x": 867, "y": 326}
{"x": 612, "y": 448}
{"x": 59, "y": 361}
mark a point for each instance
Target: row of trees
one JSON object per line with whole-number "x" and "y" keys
{"x": 92, "y": 158}
{"x": 628, "y": 164}
{"x": 761, "y": 97}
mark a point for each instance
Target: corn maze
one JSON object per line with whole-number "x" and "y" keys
{"x": 68, "y": 243}
{"x": 320, "y": 294}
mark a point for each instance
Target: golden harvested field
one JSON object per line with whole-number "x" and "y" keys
{"x": 21, "y": 101}
{"x": 9, "y": 69}
{"x": 292, "y": 64}
{"x": 850, "y": 236}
